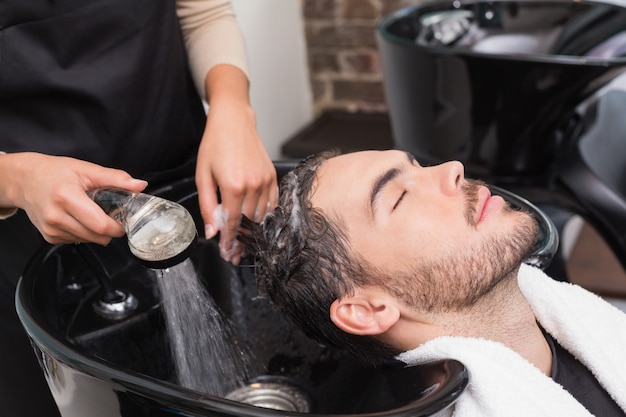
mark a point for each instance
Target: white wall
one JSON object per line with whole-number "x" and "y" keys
{"x": 280, "y": 89}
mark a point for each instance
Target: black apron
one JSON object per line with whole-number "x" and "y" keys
{"x": 102, "y": 80}
{"x": 105, "y": 81}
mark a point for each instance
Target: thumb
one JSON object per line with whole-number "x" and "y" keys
{"x": 109, "y": 177}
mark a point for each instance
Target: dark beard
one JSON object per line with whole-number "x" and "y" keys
{"x": 456, "y": 281}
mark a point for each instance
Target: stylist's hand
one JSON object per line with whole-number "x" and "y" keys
{"x": 233, "y": 160}
{"x": 52, "y": 191}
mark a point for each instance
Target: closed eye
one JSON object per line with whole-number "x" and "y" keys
{"x": 399, "y": 200}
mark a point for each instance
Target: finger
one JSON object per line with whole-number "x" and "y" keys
{"x": 267, "y": 204}
{"x": 90, "y": 223}
{"x": 252, "y": 204}
{"x": 207, "y": 198}
{"x": 108, "y": 177}
{"x": 66, "y": 229}
{"x": 260, "y": 196}
{"x": 237, "y": 252}
{"x": 232, "y": 206}
{"x": 273, "y": 200}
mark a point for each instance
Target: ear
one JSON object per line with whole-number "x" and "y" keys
{"x": 364, "y": 314}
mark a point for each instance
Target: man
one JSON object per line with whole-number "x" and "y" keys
{"x": 374, "y": 253}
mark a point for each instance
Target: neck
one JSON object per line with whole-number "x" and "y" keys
{"x": 504, "y": 316}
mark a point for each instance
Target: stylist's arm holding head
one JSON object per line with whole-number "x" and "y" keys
{"x": 233, "y": 160}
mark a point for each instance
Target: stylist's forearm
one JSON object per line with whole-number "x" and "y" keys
{"x": 232, "y": 159}
{"x": 7, "y": 187}
{"x": 230, "y": 134}
{"x": 227, "y": 82}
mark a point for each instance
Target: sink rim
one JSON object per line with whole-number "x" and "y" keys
{"x": 77, "y": 358}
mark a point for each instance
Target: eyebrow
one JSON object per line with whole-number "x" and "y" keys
{"x": 383, "y": 181}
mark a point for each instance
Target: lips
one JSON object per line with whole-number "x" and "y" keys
{"x": 486, "y": 203}
{"x": 484, "y": 199}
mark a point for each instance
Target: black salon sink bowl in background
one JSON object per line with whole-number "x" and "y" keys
{"x": 501, "y": 97}
{"x": 102, "y": 367}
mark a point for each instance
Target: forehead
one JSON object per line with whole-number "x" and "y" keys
{"x": 347, "y": 179}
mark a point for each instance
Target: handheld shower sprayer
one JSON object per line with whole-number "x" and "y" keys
{"x": 160, "y": 232}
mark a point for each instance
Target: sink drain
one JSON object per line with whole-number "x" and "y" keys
{"x": 272, "y": 392}
{"x": 118, "y": 308}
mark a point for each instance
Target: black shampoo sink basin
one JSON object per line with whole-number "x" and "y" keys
{"x": 121, "y": 364}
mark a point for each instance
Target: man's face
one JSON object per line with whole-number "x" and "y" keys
{"x": 444, "y": 237}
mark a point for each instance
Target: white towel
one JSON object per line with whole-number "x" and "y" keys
{"x": 502, "y": 383}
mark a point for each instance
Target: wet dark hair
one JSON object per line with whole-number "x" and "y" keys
{"x": 304, "y": 263}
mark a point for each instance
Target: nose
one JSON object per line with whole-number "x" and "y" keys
{"x": 451, "y": 176}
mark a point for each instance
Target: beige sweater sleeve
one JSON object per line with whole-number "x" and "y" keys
{"x": 212, "y": 37}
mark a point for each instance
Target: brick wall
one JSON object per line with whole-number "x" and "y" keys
{"x": 343, "y": 58}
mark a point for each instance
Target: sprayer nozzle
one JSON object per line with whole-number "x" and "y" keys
{"x": 174, "y": 259}
{"x": 160, "y": 232}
